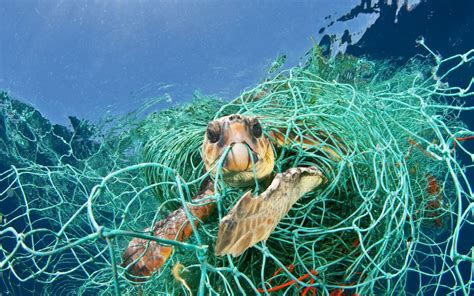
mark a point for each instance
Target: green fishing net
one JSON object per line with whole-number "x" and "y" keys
{"x": 392, "y": 214}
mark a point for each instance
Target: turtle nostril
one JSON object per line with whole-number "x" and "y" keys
{"x": 234, "y": 117}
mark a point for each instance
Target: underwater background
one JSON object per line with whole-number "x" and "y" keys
{"x": 92, "y": 60}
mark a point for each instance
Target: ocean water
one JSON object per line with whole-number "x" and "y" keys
{"x": 89, "y": 60}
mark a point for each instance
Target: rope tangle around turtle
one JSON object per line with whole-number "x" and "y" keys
{"x": 396, "y": 204}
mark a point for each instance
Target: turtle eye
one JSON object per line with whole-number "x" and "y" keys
{"x": 213, "y": 133}
{"x": 257, "y": 129}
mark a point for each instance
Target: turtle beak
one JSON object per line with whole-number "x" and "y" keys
{"x": 239, "y": 142}
{"x": 240, "y": 158}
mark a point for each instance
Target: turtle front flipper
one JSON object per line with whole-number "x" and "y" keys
{"x": 142, "y": 257}
{"x": 252, "y": 220}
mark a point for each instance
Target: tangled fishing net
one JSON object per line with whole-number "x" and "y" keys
{"x": 393, "y": 211}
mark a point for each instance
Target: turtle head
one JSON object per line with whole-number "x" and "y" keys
{"x": 248, "y": 147}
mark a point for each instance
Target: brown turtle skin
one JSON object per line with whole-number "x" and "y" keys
{"x": 253, "y": 218}
{"x": 247, "y": 145}
{"x": 237, "y": 144}
{"x": 143, "y": 257}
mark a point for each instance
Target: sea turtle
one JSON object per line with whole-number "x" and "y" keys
{"x": 245, "y": 153}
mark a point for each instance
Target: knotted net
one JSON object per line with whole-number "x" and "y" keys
{"x": 394, "y": 213}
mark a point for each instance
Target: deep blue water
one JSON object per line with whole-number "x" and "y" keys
{"x": 85, "y": 58}
{"x": 91, "y": 58}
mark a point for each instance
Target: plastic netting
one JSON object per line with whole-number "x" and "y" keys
{"x": 393, "y": 210}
